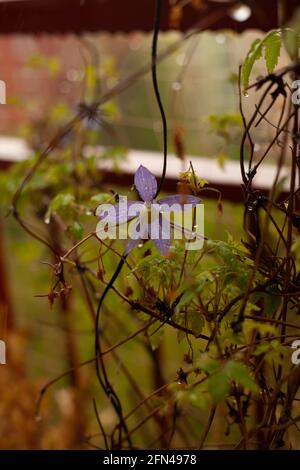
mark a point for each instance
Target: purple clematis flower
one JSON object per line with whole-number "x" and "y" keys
{"x": 149, "y": 222}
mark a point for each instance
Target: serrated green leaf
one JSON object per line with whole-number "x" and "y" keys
{"x": 272, "y": 46}
{"x": 262, "y": 348}
{"x": 157, "y": 271}
{"x": 254, "y": 54}
{"x": 263, "y": 328}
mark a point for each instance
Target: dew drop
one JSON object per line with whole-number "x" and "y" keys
{"x": 47, "y": 219}
{"x": 140, "y": 245}
{"x": 246, "y": 94}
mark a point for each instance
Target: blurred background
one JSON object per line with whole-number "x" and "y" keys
{"x": 47, "y": 75}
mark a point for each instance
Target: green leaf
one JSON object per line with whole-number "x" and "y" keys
{"x": 194, "y": 289}
{"x": 221, "y": 159}
{"x": 263, "y": 328}
{"x": 262, "y": 348}
{"x": 240, "y": 374}
{"x": 218, "y": 386}
{"x": 272, "y": 299}
{"x": 291, "y": 40}
{"x": 195, "y": 397}
{"x": 272, "y": 46}
{"x": 76, "y": 230}
{"x": 60, "y": 204}
{"x": 100, "y": 198}
{"x": 61, "y": 201}
{"x": 186, "y": 298}
{"x": 158, "y": 271}
{"x": 221, "y": 377}
{"x": 198, "y": 398}
{"x": 272, "y": 351}
{"x": 208, "y": 365}
{"x": 254, "y": 54}
{"x": 195, "y": 322}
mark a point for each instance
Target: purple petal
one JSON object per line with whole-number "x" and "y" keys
{"x": 119, "y": 213}
{"x": 130, "y": 245}
{"x": 163, "y": 246}
{"x": 185, "y": 201}
{"x": 160, "y": 234}
{"x": 146, "y": 184}
{"x": 132, "y": 242}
